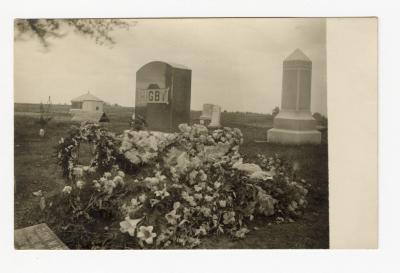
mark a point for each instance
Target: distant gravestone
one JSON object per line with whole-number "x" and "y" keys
{"x": 294, "y": 124}
{"x": 41, "y": 132}
{"x": 205, "y": 117}
{"x": 37, "y": 237}
{"x": 215, "y": 117}
{"x": 163, "y": 92}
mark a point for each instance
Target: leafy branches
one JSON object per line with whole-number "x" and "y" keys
{"x": 45, "y": 29}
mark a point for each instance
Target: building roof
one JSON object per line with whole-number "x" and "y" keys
{"x": 297, "y": 55}
{"x": 86, "y": 97}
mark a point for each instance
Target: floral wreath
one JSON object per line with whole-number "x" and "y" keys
{"x": 102, "y": 143}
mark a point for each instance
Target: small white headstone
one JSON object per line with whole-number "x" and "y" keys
{"x": 215, "y": 116}
{"x": 41, "y": 132}
{"x": 207, "y": 112}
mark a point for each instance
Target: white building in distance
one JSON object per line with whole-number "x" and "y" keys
{"x": 88, "y": 108}
{"x": 87, "y": 102}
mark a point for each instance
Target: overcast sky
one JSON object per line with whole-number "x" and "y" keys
{"x": 236, "y": 63}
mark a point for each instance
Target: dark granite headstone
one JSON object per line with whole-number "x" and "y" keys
{"x": 37, "y": 237}
{"x": 163, "y": 93}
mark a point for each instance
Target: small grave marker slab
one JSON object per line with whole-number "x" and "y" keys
{"x": 206, "y": 113}
{"x": 215, "y": 117}
{"x": 37, "y": 237}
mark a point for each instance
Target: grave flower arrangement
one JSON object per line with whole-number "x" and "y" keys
{"x": 103, "y": 145}
{"x": 188, "y": 185}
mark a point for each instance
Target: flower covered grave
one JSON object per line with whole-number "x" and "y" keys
{"x": 154, "y": 190}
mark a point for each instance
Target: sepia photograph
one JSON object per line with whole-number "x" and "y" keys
{"x": 184, "y": 133}
{"x": 199, "y": 136}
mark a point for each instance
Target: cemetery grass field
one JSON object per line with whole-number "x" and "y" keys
{"x": 36, "y": 169}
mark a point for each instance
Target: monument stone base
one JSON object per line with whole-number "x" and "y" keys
{"x": 294, "y": 127}
{"x": 293, "y": 137}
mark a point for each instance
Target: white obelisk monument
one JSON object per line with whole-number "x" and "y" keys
{"x": 294, "y": 124}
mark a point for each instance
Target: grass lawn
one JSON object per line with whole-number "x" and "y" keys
{"x": 36, "y": 169}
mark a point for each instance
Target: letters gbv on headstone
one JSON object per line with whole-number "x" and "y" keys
{"x": 294, "y": 124}
{"x": 163, "y": 93}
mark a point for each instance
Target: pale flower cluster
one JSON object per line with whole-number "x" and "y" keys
{"x": 254, "y": 171}
{"x": 143, "y": 146}
{"x": 107, "y": 183}
{"x": 67, "y": 189}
